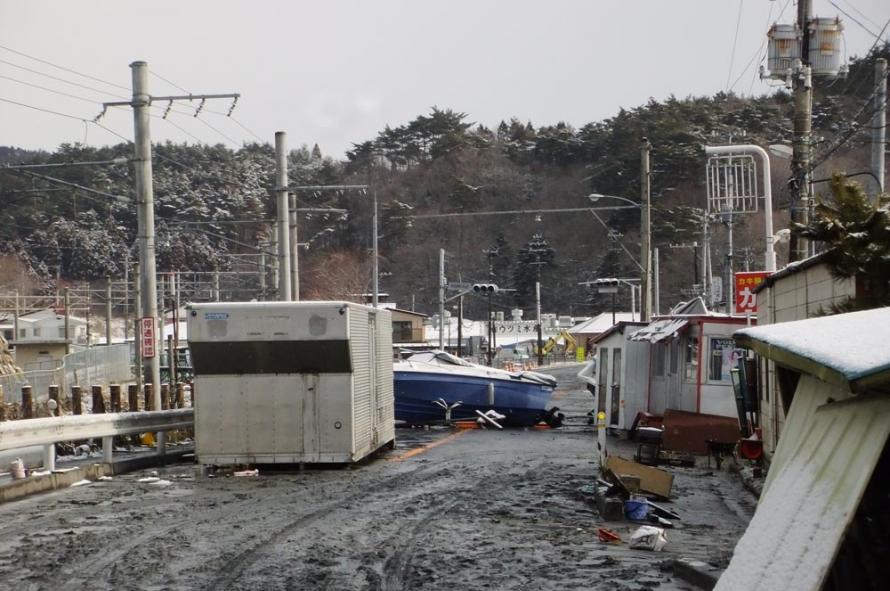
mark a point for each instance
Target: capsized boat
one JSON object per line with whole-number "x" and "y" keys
{"x": 522, "y": 396}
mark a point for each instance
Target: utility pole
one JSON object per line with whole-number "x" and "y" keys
{"x": 374, "y": 239}
{"x": 137, "y": 337}
{"x": 263, "y": 246}
{"x": 655, "y": 282}
{"x": 460, "y": 325}
{"x": 879, "y": 124}
{"x": 800, "y": 158}
{"x": 284, "y": 265}
{"x": 645, "y": 236}
{"x": 67, "y": 301}
{"x": 442, "y": 299}
{"x": 141, "y": 104}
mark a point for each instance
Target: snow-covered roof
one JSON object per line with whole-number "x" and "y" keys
{"x": 660, "y": 330}
{"x": 602, "y": 322}
{"x": 847, "y": 349}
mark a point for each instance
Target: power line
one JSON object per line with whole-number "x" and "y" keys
{"x": 89, "y": 100}
{"x": 738, "y": 25}
{"x": 37, "y": 59}
{"x": 174, "y": 85}
{"x": 44, "y": 110}
{"x": 39, "y": 73}
{"x": 853, "y": 18}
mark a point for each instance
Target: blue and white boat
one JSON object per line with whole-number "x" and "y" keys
{"x": 522, "y": 397}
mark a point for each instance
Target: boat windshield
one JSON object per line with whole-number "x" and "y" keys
{"x": 440, "y": 357}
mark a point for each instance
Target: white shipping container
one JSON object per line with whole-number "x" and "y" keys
{"x": 291, "y": 382}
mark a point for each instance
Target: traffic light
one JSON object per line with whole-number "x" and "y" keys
{"x": 485, "y": 288}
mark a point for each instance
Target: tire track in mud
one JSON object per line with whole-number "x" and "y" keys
{"x": 236, "y": 567}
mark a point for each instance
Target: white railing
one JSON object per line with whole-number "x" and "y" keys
{"x": 48, "y": 431}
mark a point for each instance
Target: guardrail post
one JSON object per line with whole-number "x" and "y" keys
{"x": 27, "y": 403}
{"x": 98, "y": 400}
{"x": 132, "y": 397}
{"x": 76, "y": 400}
{"x": 49, "y": 457}
{"x": 107, "y": 449}
{"x": 115, "y": 397}
{"x": 54, "y": 395}
{"x": 147, "y": 397}
{"x": 165, "y": 396}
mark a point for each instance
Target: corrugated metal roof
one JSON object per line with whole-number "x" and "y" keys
{"x": 819, "y": 473}
{"x": 846, "y": 349}
{"x": 602, "y": 322}
{"x": 660, "y": 330}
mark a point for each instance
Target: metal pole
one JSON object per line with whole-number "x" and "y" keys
{"x": 802, "y": 121}
{"x": 108, "y": 311}
{"x": 262, "y": 246}
{"x": 655, "y": 281}
{"x": 729, "y": 291}
{"x": 284, "y": 283}
{"x": 460, "y": 325}
{"x": 490, "y": 333}
{"x": 376, "y": 288}
{"x": 67, "y": 299}
{"x": 146, "y": 222}
{"x": 15, "y": 318}
{"x": 442, "y": 299}
{"x": 174, "y": 359}
{"x": 276, "y": 262}
{"x": 294, "y": 251}
{"x": 645, "y": 237}
{"x": 879, "y": 123}
{"x": 216, "y": 294}
{"x": 539, "y": 327}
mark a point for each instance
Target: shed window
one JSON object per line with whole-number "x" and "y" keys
{"x": 723, "y": 357}
{"x": 660, "y": 354}
{"x": 691, "y": 359}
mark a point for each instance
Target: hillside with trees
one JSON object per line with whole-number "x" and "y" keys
{"x": 214, "y": 207}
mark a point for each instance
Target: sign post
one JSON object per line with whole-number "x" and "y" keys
{"x": 147, "y": 336}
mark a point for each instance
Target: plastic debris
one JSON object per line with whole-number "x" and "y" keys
{"x": 148, "y": 479}
{"x": 648, "y": 538}
{"x": 17, "y": 467}
{"x": 607, "y": 535}
{"x": 254, "y": 472}
{"x": 636, "y": 509}
{"x": 105, "y": 478}
{"x": 82, "y": 483}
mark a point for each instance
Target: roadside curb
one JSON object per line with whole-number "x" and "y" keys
{"x": 696, "y": 572}
{"x": 65, "y": 477}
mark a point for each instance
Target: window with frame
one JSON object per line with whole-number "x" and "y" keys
{"x": 675, "y": 355}
{"x": 660, "y": 354}
{"x": 722, "y": 357}
{"x": 691, "y": 359}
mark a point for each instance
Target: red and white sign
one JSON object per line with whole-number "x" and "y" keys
{"x": 745, "y": 284}
{"x": 147, "y": 336}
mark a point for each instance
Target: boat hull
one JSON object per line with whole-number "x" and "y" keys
{"x": 522, "y": 403}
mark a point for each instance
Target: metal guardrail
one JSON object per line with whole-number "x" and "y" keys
{"x": 51, "y": 430}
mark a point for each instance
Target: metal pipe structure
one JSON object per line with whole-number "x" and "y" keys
{"x": 769, "y": 251}
{"x": 645, "y": 234}
{"x": 879, "y": 124}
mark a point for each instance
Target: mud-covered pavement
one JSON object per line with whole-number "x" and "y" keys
{"x": 444, "y": 510}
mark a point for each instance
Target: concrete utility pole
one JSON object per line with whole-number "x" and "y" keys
{"x": 879, "y": 123}
{"x": 539, "y": 327}
{"x": 141, "y": 104}
{"x": 655, "y": 282}
{"x": 284, "y": 254}
{"x": 645, "y": 237}
{"x": 801, "y": 153}
{"x": 137, "y": 339}
{"x": 145, "y": 213}
{"x": 374, "y": 239}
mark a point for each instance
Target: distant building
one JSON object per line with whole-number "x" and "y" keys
{"x": 41, "y": 343}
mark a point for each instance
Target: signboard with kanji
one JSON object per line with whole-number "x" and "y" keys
{"x": 147, "y": 336}
{"x": 745, "y": 284}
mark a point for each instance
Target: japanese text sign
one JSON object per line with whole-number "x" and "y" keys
{"x": 745, "y": 284}
{"x": 147, "y": 336}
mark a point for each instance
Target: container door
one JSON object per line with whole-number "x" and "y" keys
{"x": 372, "y": 368}
{"x": 616, "y": 387}
{"x": 602, "y": 389}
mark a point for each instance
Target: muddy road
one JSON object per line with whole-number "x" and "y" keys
{"x": 475, "y": 509}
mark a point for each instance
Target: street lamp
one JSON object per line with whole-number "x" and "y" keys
{"x": 645, "y": 241}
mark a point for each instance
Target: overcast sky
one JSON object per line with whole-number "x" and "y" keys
{"x": 336, "y": 72}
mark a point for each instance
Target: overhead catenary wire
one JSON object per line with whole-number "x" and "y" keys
{"x": 738, "y": 25}
{"x": 854, "y": 19}
{"x": 49, "y": 63}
